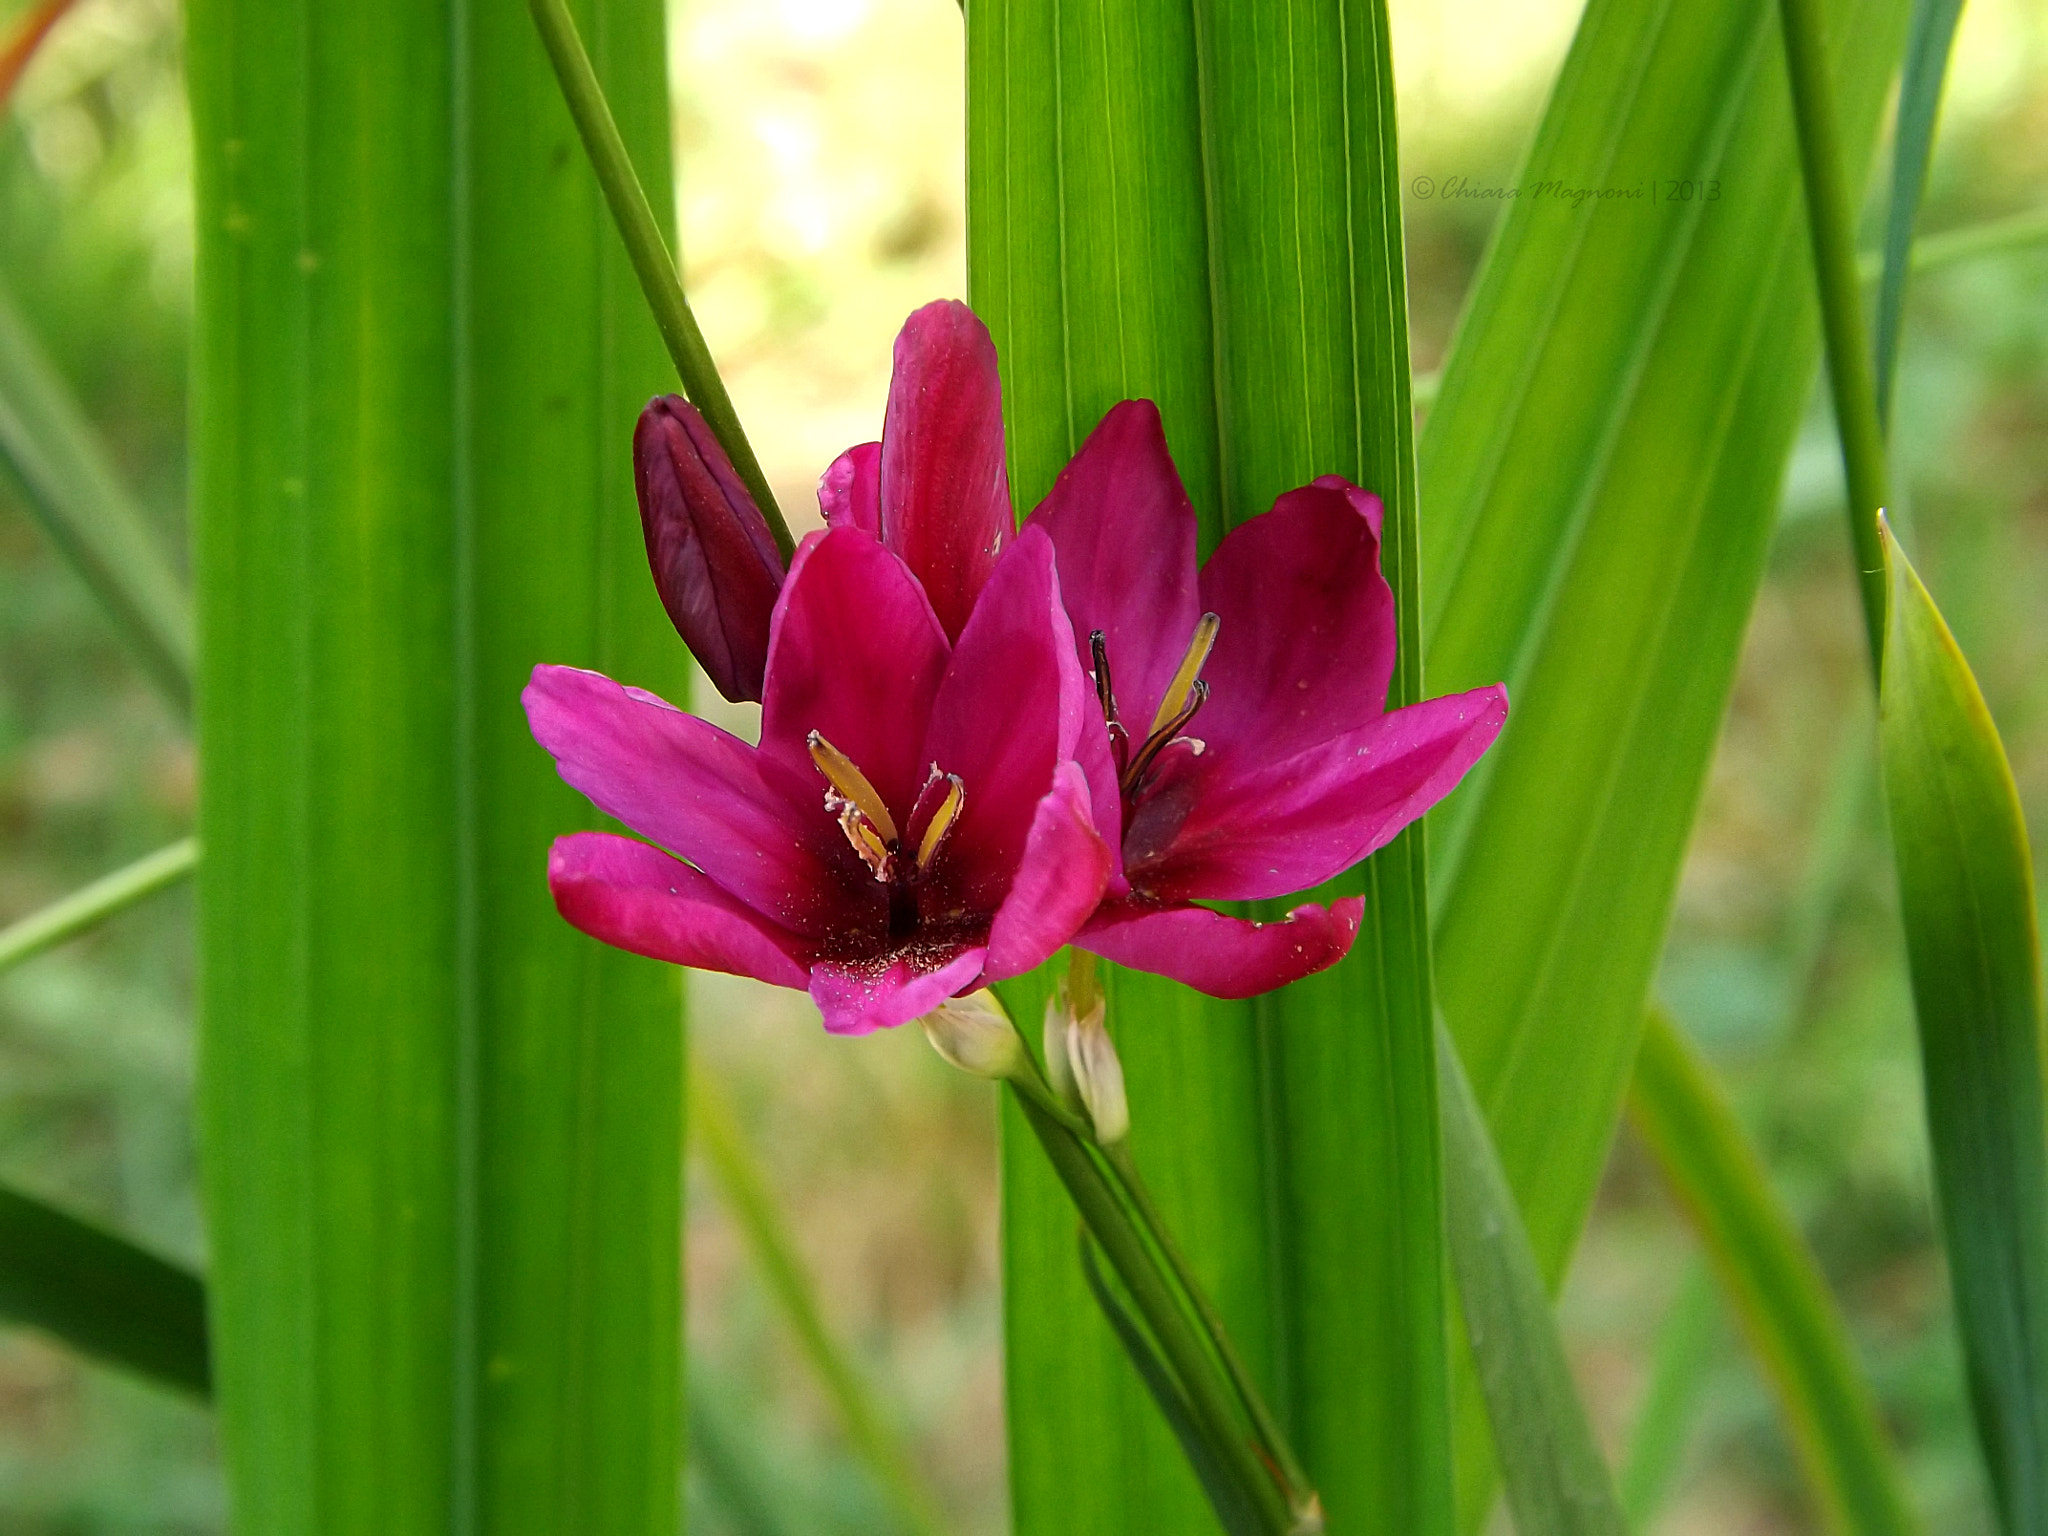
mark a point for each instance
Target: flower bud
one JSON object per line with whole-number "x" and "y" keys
{"x": 715, "y": 563}
{"x": 1059, "y": 1018}
{"x": 975, "y": 1035}
{"x": 1082, "y": 1063}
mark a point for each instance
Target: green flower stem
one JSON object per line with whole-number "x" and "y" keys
{"x": 746, "y": 1195}
{"x": 73, "y": 914}
{"x": 652, "y": 263}
{"x": 1210, "y": 1397}
{"x": 1830, "y": 223}
{"x": 1271, "y": 1436}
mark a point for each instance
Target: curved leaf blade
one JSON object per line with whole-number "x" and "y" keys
{"x": 1966, "y": 894}
{"x": 1772, "y": 1281}
{"x": 1928, "y": 44}
{"x": 101, "y": 1294}
{"x": 1557, "y": 1482}
{"x": 88, "y": 511}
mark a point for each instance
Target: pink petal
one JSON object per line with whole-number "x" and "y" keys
{"x": 1125, "y": 533}
{"x": 1064, "y": 869}
{"x": 1011, "y": 707}
{"x": 860, "y": 1000}
{"x": 857, "y": 657}
{"x": 698, "y": 792}
{"x": 1225, "y": 956}
{"x": 638, "y": 898}
{"x": 1307, "y": 643}
{"x": 850, "y": 494}
{"x": 945, "y": 493}
{"x": 1284, "y": 826}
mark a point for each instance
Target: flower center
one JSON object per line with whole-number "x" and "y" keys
{"x": 1183, "y": 698}
{"x": 899, "y": 859}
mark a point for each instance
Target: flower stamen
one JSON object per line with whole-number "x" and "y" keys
{"x": 1173, "y": 706}
{"x": 1134, "y": 776}
{"x": 1105, "y": 695}
{"x": 941, "y": 824}
{"x": 852, "y": 787}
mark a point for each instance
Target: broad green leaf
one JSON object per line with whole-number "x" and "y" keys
{"x": 1927, "y": 49}
{"x": 1966, "y": 893}
{"x": 1772, "y": 1283}
{"x": 75, "y": 492}
{"x": 1557, "y": 1484}
{"x": 440, "y": 1130}
{"x": 1599, "y": 481}
{"x": 1195, "y": 202}
{"x": 101, "y": 1294}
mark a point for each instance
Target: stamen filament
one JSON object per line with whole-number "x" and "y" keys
{"x": 852, "y": 784}
{"x": 941, "y": 822}
{"x": 1105, "y": 695}
{"x": 1164, "y": 737}
{"x": 872, "y": 850}
{"x": 1174, "y": 705}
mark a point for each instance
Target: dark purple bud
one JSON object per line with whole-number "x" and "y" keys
{"x": 714, "y": 562}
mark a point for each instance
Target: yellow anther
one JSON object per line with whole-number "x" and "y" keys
{"x": 942, "y": 821}
{"x": 1183, "y": 683}
{"x": 852, "y": 785}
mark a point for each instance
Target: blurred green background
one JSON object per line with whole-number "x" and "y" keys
{"x": 820, "y": 150}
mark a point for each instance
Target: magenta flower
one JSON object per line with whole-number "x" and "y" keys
{"x": 1249, "y": 752}
{"x": 912, "y": 825}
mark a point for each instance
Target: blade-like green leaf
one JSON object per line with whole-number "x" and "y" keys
{"x": 95, "y": 903}
{"x": 1557, "y": 1483}
{"x": 1599, "y": 480}
{"x": 101, "y": 1294}
{"x": 82, "y": 502}
{"x": 440, "y": 1130}
{"x": 1193, "y": 201}
{"x": 1967, "y": 896}
{"x": 1679, "y": 1366}
{"x": 1772, "y": 1283}
{"x": 743, "y": 1190}
{"x": 1927, "y": 49}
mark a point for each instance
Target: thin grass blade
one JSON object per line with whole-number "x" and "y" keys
{"x": 86, "y": 508}
{"x": 1928, "y": 43}
{"x": 101, "y": 1294}
{"x": 1680, "y": 1364}
{"x": 1967, "y": 896}
{"x": 1557, "y": 1484}
{"x": 743, "y": 1190}
{"x": 1772, "y": 1283}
